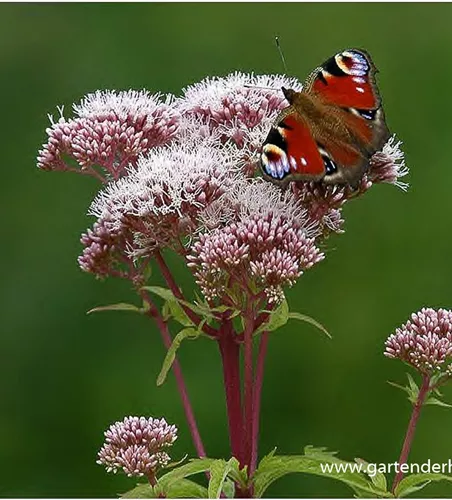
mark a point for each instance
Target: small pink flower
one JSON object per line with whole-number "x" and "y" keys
{"x": 110, "y": 131}
{"x": 424, "y": 342}
{"x": 135, "y": 445}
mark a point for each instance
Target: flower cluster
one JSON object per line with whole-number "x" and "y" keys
{"x": 183, "y": 173}
{"x": 263, "y": 244}
{"x": 136, "y": 446}
{"x": 104, "y": 250}
{"x": 160, "y": 200}
{"x": 424, "y": 342}
{"x": 110, "y": 131}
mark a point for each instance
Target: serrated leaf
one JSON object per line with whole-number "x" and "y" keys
{"x": 195, "y": 466}
{"x": 144, "y": 490}
{"x": 435, "y": 401}
{"x": 171, "y": 353}
{"x": 411, "y": 389}
{"x": 229, "y": 488}
{"x": 166, "y": 312}
{"x": 121, "y": 306}
{"x": 272, "y": 468}
{"x": 277, "y": 318}
{"x": 415, "y": 482}
{"x": 164, "y": 293}
{"x": 240, "y": 476}
{"x": 200, "y": 309}
{"x": 377, "y": 478}
{"x": 177, "y": 312}
{"x": 184, "y": 488}
{"x": 311, "y": 321}
{"x": 413, "y": 386}
{"x": 219, "y": 471}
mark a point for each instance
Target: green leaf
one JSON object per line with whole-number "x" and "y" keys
{"x": 184, "y": 488}
{"x": 229, "y": 488}
{"x": 413, "y": 386}
{"x": 436, "y": 401}
{"x": 122, "y": 306}
{"x": 377, "y": 478}
{"x": 164, "y": 293}
{"x": 239, "y": 476}
{"x": 144, "y": 490}
{"x": 411, "y": 389}
{"x": 274, "y": 467}
{"x": 219, "y": 471}
{"x": 171, "y": 353}
{"x": 311, "y": 321}
{"x": 415, "y": 482}
{"x": 195, "y": 466}
{"x": 277, "y": 318}
{"x": 201, "y": 308}
{"x": 177, "y": 312}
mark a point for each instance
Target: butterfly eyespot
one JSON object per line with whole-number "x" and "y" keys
{"x": 274, "y": 161}
{"x": 352, "y": 63}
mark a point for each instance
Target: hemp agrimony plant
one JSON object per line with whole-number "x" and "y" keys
{"x": 179, "y": 174}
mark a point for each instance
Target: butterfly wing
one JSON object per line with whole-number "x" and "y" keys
{"x": 331, "y": 128}
{"x": 290, "y": 151}
{"x": 347, "y": 80}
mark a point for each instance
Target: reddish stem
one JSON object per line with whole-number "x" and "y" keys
{"x": 230, "y": 356}
{"x": 167, "y": 340}
{"x": 257, "y": 398}
{"x": 248, "y": 388}
{"x": 166, "y": 273}
{"x": 422, "y": 395}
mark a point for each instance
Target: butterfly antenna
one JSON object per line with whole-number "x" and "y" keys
{"x": 278, "y": 45}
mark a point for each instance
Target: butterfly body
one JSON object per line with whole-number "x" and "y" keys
{"x": 331, "y": 128}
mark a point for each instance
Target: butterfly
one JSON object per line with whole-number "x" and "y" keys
{"x": 331, "y": 128}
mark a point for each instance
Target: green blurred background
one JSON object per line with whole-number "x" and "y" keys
{"x": 66, "y": 376}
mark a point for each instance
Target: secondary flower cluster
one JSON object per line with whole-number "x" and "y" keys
{"x": 110, "y": 131}
{"x": 180, "y": 173}
{"x": 266, "y": 246}
{"x": 136, "y": 446}
{"x": 424, "y": 342}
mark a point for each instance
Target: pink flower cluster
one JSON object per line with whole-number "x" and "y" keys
{"x": 104, "y": 248}
{"x": 180, "y": 173}
{"x": 110, "y": 131}
{"x": 136, "y": 445}
{"x": 262, "y": 253}
{"x": 424, "y": 341}
{"x": 160, "y": 200}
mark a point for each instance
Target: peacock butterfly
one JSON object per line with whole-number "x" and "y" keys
{"x": 331, "y": 128}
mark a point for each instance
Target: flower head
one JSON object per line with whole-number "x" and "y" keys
{"x": 241, "y": 106}
{"x": 111, "y": 129}
{"x": 388, "y": 165}
{"x": 160, "y": 199}
{"x": 424, "y": 341}
{"x": 264, "y": 243}
{"x": 136, "y": 445}
{"x": 104, "y": 247}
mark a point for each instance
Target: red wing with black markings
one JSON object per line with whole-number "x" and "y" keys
{"x": 331, "y": 128}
